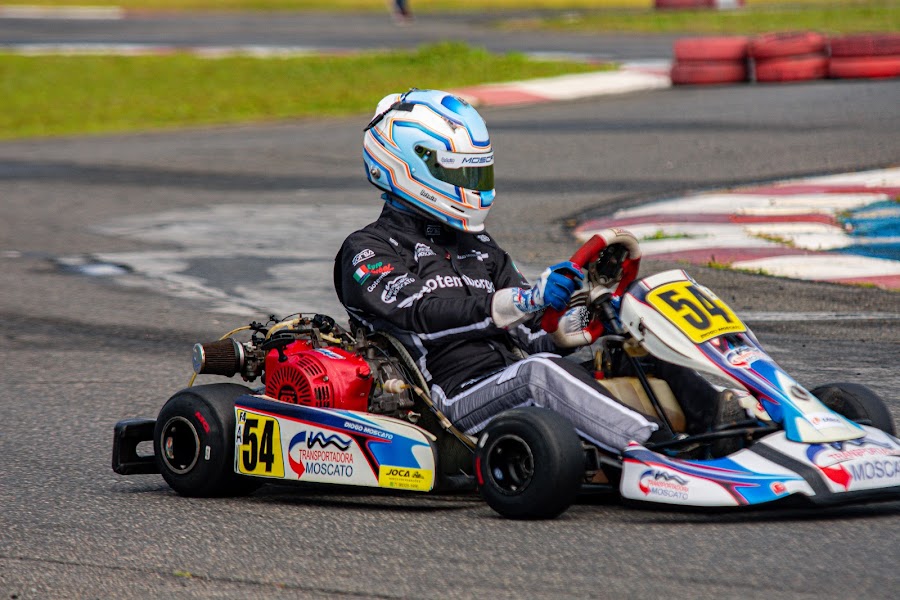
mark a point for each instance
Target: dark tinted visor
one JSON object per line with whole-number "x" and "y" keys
{"x": 470, "y": 171}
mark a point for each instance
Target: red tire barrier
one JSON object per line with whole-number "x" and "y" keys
{"x": 864, "y": 67}
{"x": 708, "y": 72}
{"x": 788, "y": 43}
{"x": 792, "y": 68}
{"x": 867, "y": 44}
{"x": 711, "y": 48}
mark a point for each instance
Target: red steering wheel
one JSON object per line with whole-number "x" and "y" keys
{"x": 589, "y": 253}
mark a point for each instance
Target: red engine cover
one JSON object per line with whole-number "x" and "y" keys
{"x": 324, "y": 377}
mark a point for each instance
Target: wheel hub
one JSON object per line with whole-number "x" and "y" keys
{"x": 510, "y": 464}
{"x": 180, "y": 445}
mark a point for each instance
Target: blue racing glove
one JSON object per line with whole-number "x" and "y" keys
{"x": 554, "y": 288}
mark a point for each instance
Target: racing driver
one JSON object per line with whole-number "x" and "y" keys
{"x": 427, "y": 272}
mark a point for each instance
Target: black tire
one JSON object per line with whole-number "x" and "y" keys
{"x": 857, "y": 403}
{"x": 193, "y": 442}
{"x": 529, "y": 464}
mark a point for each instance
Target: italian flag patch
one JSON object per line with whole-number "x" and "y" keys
{"x": 361, "y": 274}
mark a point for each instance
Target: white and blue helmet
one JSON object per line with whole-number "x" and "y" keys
{"x": 432, "y": 150}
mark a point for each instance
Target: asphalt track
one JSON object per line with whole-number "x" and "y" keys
{"x": 80, "y": 353}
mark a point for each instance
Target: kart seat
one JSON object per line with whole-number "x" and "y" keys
{"x": 628, "y": 391}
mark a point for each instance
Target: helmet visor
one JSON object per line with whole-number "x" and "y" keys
{"x": 469, "y": 171}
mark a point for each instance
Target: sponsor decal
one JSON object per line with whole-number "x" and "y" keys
{"x": 393, "y": 287}
{"x": 866, "y": 459}
{"x": 304, "y": 458}
{"x": 455, "y": 161}
{"x": 743, "y": 356}
{"x": 473, "y": 254}
{"x": 483, "y": 238}
{"x": 363, "y": 255}
{"x": 778, "y": 488}
{"x": 329, "y": 353}
{"x": 663, "y": 484}
{"x": 423, "y": 250}
{"x": 824, "y": 420}
{"x": 433, "y": 230}
{"x": 444, "y": 282}
{"x": 362, "y": 273}
{"x": 203, "y": 422}
{"x": 393, "y": 241}
{"x": 405, "y": 478}
{"x": 372, "y": 431}
{"x": 425, "y": 194}
{"x": 375, "y": 283}
{"x": 258, "y": 445}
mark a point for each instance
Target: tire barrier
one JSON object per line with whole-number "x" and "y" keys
{"x": 792, "y": 68}
{"x": 865, "y": 56}
{"x": 731, "y": 48}
{"x": 787, "y": 43}
{"x": 866, "y": 44}
{"x": 784, "y": 57}
{"x": 864, "y": 67}
{"x": 710, "y": 60}
{"x": 789, "y": 56}
{"x": 708, "y": 72}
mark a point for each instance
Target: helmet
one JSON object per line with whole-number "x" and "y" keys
{"x": 432, "y": 150}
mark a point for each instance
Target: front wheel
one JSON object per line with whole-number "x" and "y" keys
{"x": 194, "y": 442}
{"x": 529, "y": 464}
{"x": 857, "y": 403}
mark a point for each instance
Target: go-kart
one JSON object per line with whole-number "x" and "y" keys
{"x": 351, "y": 408}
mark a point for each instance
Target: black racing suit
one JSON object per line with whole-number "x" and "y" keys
{"x": 431, "y": 287}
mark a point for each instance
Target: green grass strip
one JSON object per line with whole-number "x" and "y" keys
{"x": 418, "y": 6}
{"x": 832, "y": 18}
{"x": 53, "y": 95}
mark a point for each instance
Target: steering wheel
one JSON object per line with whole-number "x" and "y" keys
{"x": 588, "y": 257}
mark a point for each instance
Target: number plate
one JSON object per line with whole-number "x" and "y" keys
{"x": 258, "y": 442}
{"x": 695, "y": 310}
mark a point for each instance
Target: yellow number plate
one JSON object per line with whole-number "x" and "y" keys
{"x": 695, "y": 310}
{"x": 405, "y": 479}
{"x": 259, "y": 449}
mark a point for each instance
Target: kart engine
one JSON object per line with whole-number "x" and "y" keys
{"x": 305, "y": 364}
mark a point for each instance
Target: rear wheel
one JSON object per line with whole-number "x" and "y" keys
{"x": 529, "y": 464}
{"x": 857, "y": 403}
{"x": 194, "y": 442}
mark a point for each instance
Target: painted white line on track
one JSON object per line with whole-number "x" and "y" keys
{"x": 778, "y": 317}
{"x": 753, "y": 204}
{"x": 822, "y": 266}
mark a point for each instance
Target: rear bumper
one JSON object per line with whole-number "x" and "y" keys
{"x": 125, "y": 458}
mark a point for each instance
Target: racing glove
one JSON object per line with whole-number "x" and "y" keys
{"x": 576, "y": 328}
{"x": 554, "y": 288}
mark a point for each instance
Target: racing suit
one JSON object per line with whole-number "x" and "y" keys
{"x": 432, "y": 287}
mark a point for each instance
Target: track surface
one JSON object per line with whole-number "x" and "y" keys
{"x": 328, "y": 31}
{"x": 79, "y": 354}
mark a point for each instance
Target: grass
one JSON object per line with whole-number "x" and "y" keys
{"x": 424, "y": 6}
{"x": 53, "y": 95}
{"x": 662, "y": 235}
{"x": 843, "y": 17}
{"x": 626, "y": 16}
